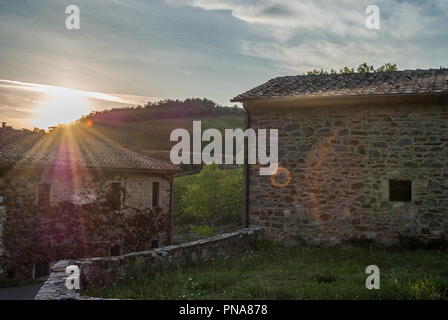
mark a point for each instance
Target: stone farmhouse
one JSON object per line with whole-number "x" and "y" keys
{"x": 362, "y": 156}
{"x": 68, "y": 195}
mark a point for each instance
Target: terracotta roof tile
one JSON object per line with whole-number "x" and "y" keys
{"x": 433, "y": 81}
{"x": 59, "y": 150}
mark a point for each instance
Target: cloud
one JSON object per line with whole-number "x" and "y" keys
{"x": 283, "y": 19}
{"x": 43, "y": 88}
{"x": 299, "y": 35}
{"x": 327, "y": 55}
{"x": 340, "y": 18}
{"x": 21, "y": 101}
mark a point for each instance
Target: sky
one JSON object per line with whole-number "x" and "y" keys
{"x": 129, "y": 52}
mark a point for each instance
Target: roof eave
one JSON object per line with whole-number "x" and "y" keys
{"x": 337, "y": 96}
{"x": 18, "y": 165}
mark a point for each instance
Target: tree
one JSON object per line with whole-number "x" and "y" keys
{"x": 215, "y": 197}
{"x": 387, "y": 67}
{"x": 347, "y": 70}
{"x": 321, "y": 71}
{"x": 365, "y": 68}
{"x": 362, "y": 68}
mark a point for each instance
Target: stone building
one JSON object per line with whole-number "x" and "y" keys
{"x": 362, "y": 156}
{"x": 68, "y": 195}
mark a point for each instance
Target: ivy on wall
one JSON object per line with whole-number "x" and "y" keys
{"x": 68, "y": 231}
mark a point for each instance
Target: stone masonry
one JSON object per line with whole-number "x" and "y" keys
{"x": 103, "y": 271}
{"x": 339, "y": 159}
{"x": 79, "y": 221}
{"x": 2, "y": 250}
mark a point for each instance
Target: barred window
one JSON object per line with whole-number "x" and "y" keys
{"x": 41, "y": 269}
{"x": 400, "y": 190}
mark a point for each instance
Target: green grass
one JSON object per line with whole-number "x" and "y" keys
{"x": 275, "y": 272}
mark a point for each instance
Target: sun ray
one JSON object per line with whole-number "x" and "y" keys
{"x": 62, "y": 106}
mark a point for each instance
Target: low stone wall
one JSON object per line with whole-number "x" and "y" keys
{"x": 102, "y": 271}
{"x": 2, "y": 251}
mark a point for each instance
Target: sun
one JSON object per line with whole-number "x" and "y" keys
{"x": 61, "y": 106}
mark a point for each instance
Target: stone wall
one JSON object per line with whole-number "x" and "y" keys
{"x": 340, "y": 159}
{"x": 2, "y": 251}
{"x": 84, "y": 187}
{"x": 80, "y": 221}
{"x": 102, "y": 271}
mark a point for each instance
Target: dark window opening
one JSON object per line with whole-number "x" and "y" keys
{"x": 400, "y": 190}
{"x": 41, "y": 269}
{"x": 10, "y": 273}
{"x": 43, "y": 195}
{"x": 115, "y": 251}
{"x": 154, "y": 244}
{"x": 116, "y": 196}
{"x": 155, "y": 194}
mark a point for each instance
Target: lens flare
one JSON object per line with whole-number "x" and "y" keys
{"x": 62, "y": 106}
{"x": 281, "y": 178}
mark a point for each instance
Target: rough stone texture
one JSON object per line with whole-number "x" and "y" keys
{"x": 80, "y": 221}
{"x": 340, "y": 160}
{"x": 102, "y": 271}
{"x": 2, "y": 251}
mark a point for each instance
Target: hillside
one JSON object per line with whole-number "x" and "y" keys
{"x": 147, "y": 129}
{"x": 154, "y": 135}
{"x": 165, "y": 109}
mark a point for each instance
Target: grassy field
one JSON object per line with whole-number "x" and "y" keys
{"x": 274, "y": 272}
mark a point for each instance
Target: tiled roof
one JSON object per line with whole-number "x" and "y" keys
{"x": 433, "y": 81}
{"x": 59, "y": 150}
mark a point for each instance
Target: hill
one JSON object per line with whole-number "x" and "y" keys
{"x": 165, "y": 109}
{"x": 147, "y": 129}
{"x": 143, "y": 129}
{"x": 153, "y": 136}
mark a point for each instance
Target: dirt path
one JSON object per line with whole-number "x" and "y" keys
{"x": 25, "y": 292}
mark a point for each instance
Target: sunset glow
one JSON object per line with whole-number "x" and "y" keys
{"x": 62, "y": 106}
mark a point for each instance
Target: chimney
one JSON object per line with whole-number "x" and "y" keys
{"x": 4, "y": 124}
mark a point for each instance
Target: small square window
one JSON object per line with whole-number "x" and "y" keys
{"x": 400, "y": 190}
{"x": 154, "y": 244}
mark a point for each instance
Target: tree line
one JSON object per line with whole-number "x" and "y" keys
{"x": 362, "y": 68}
{"x": 165, "y": 109}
